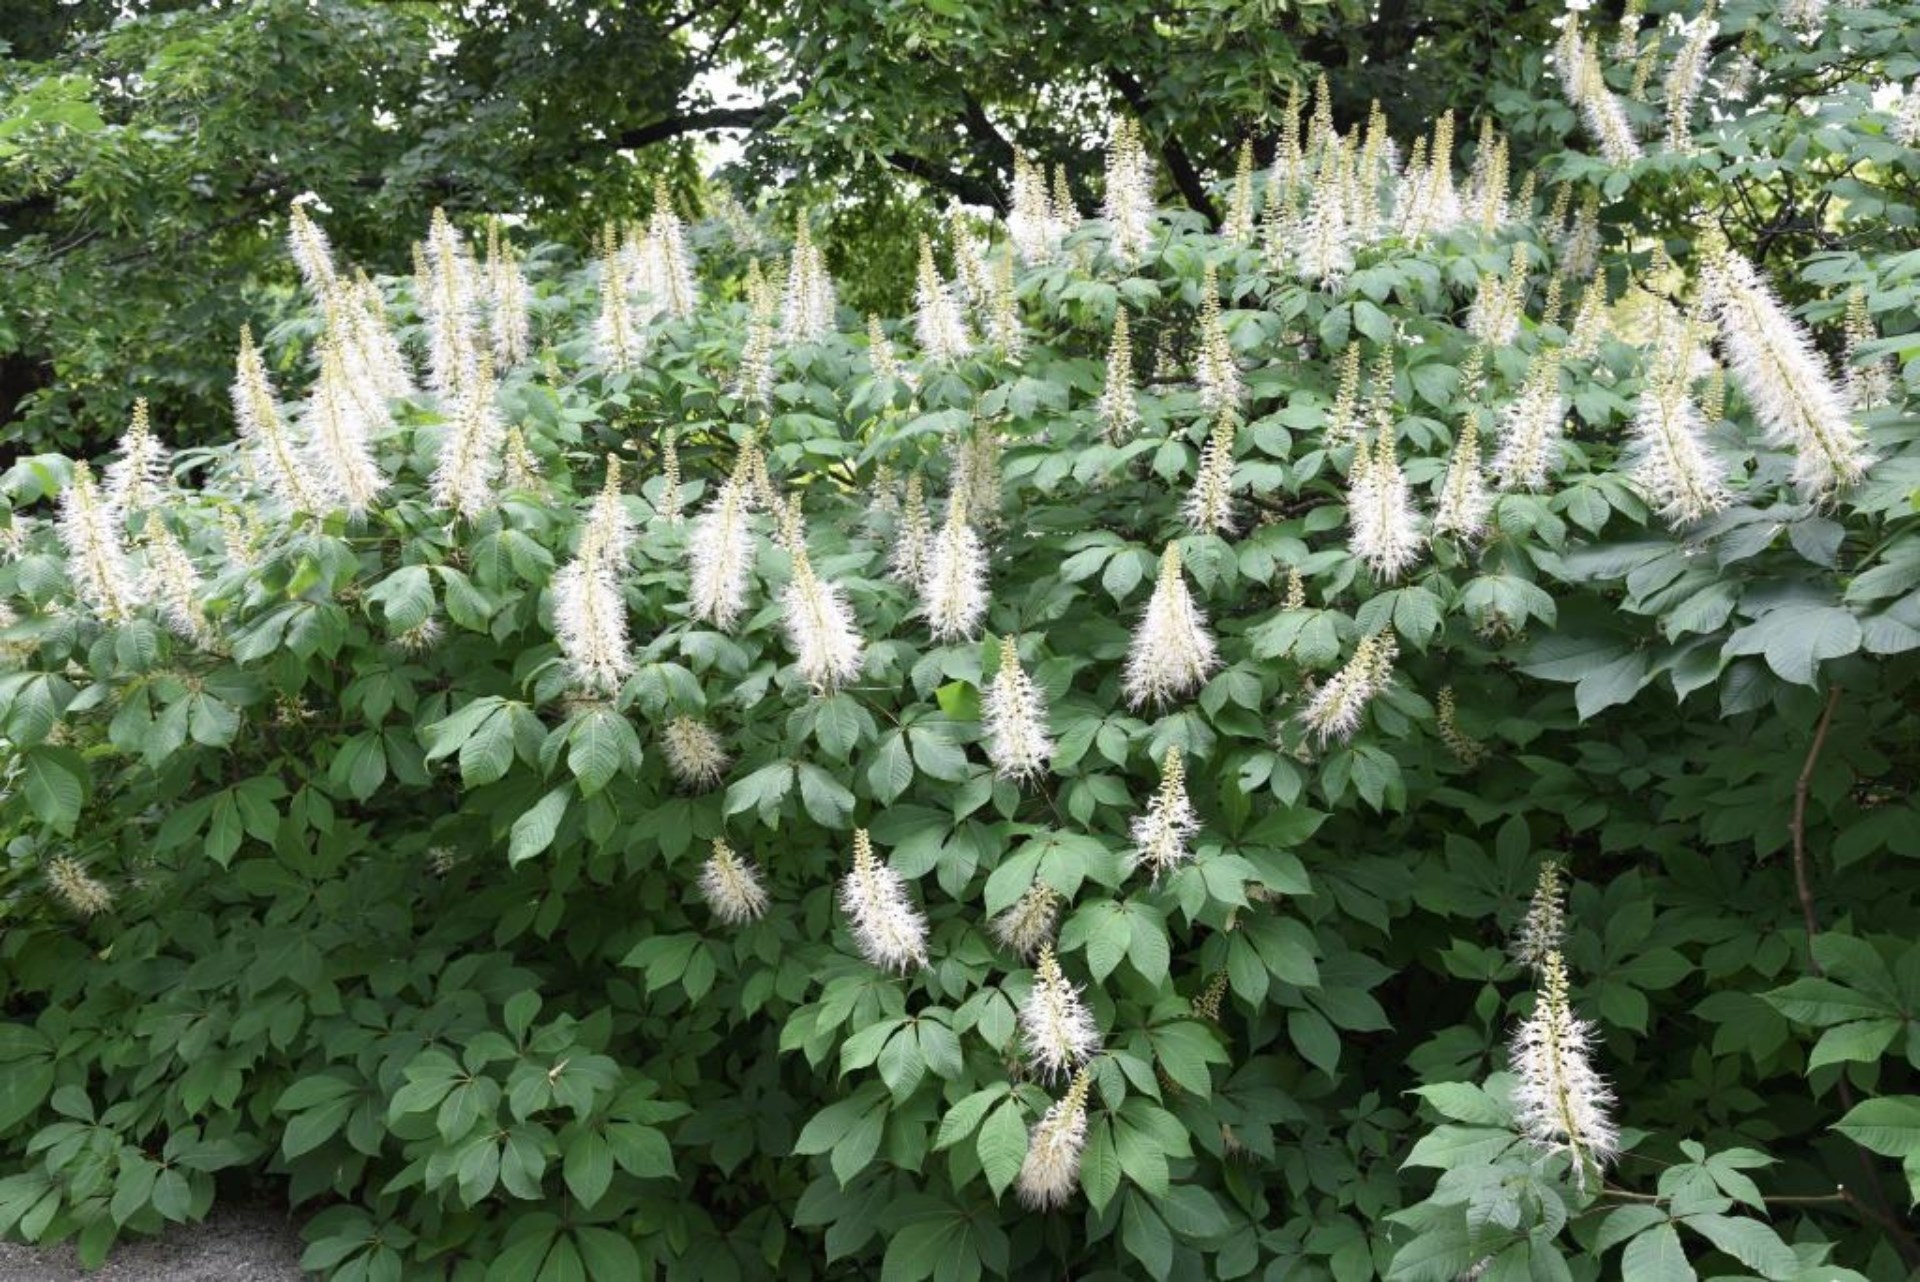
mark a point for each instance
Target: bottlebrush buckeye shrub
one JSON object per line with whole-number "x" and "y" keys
{"x": 1353, "y": 747}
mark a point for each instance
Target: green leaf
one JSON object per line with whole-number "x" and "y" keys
{"x": 1003, "y": 1146}
{"x": 588, "y": 1167}
{"x": 1656, "y": 1256}
{"x": 1748, "y": 1241}
{"x": 1889, "y": 1126}
{"x": 535, "y": 830}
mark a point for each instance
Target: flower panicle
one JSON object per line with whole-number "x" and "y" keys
{"x": 1056, "y": 1027}
{"x": 1172, "y": 651}
{"x": 731, "y": 886}
{"x": 1051, "y": 1170}
{"x": 1161, "y": 834}
{"x": 1015, "y": 715}
{"x": 890, "y": 931}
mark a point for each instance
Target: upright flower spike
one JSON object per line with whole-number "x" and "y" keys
{"x": 1870, "y": 379}
{"x": 1051, "y": 1171}
{"x": 1003, "y": 310}
{"x": 1385, "y": 527}
{"x": 71, "y": 883}
{"x": 1238, "y": 228}
{"x": 939, "y": 326}
{"x": 883, "y": 360}
{"x": 177, "y": 587}
{"x": 1530, "y": 428}
{"x": 617, "y": 342}
{"x": 1119, "y": 407}
{"x": 1014, "y": 713}
{"x": 1209, "y": 505}
{"x": 1129, "y": 197}
{"x": 827, "y": 647}
{"x": 451, "y": 309}
{"x": 669, "y": 479}
{"x": 1671, "y": 463}
{"x": 135, "y": 480}
{"x": 1560, "y": 1102}
{"x": 1161, "y": 834}
{"x": 1605, "y": 116}
{"x": 753, "y": 382}
{"x": 1056, "y": 1027}
{"x": 1028, "y": 924}
{"x": 1324, "y": 252}
{"x": 1465, "y": 502}
{"x": 339, "y": 453}
{"x": 1544, "y": 930}
{"x": 1334, "y": 712}
{"x": 508, "y": 324}
{"x": 908, "y": 561}
{"x": 1488, "y": 181}
{"x": 275, "y": 454}
{"x": 1686, "y": 74}
{"x": 1774, "y": 362}
{"x": 1580, "y": 246}
{"x": 1218, "y": 376}
{"x": 1031, "y": 224}
{"x": 308, "y": 247}
{"x": 891, "y": 933}
{"x": 666, "y": 274}
{"x": 589, "y": 608}
{"x": 731, "y": 886}
{"x": 1343, "y": 416}
{"x": 96, "y": 561}
{"x": 1500, "y": 302}
{"x": 694, "y": 753}
{"x": 521, "y": 473}
{"x": 720, "y": 553}
{"x": 1172, "y": 651}
{"x": 1905, "y": 128}
{"x": 954, "y": 591}
{"x": 470, "y": 451}
{"x": 1466, "y": 749}
{"x": 808, "y": 313}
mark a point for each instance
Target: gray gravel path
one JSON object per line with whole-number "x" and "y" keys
{"x": 237, "y": 1244}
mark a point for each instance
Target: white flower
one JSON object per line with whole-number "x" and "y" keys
{"x": 589, "y": 608}
{"x": 939, "y": 327}
{"x": 695, "y": 754}
{"x": 1323, "y": 251}
{"x": 74, "y": 886}
{"x": 663, "y": 270}
{"x": 1580, "y": 245}
{"x": 808, "y": 314}
{"x": 96, "y": 561}
{"x": 882, "y": 359}
{"x": 1172, "y": 651}
{"x": 1465, "y": 502}
{"x": 1671, "y": 463}
{"x": 1238, "y": 227}
{"x": 470, "y": 450}
{"x": 339, "y": 453}
{"x": 1385, "y": 528}
{"x": 731, "y": 886}
{"x": 308, "y": 247}
{"x": 1685, "y": 75}
{"x": 1334, "y": 712}
{"x": 1773, "y": 360}
{"x": 590, "y": 623}
{"x": 1209, "y": 505}
{"x": 1029, "y": 923}
{"x": 275, "y": 453}
{"x": 1015, "y": 716}
{"x": 1494, "y": 318}
{"x": 177, "y": 586}
{"x": 1055, "y": 1025}
{"x": 1870, "y": 379}
{"x": 451, "y": 309}
{"x": 1216, "y": 375}
{"x": 1161, "y": 834}
{"x": 826, "y": 645}
{"x": 1119, "y": 408}
{"x": 1806, "y": 16}
{"x": 1129, "y": 197}
{"x": 721, "y": 553}
{"x": 508, "y": 323}
{"x": 522, "y": 470}
{"x": 1032, "y": 223}
{"x": 890, "y": 931}
{"x": 617, "y": 341}
{"x": 1530, "y": 429}
{"x": 1560, "y": 1102}
{"x": 908, "y": 560}
{"x": 1606, "y": 117}
{"x": 954, "y": 589}
{"x": 134, "y": 481}
{"x": 1051, "y": 1171}
{"x": 1544, "y": 931}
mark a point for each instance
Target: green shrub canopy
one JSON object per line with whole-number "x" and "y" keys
{"x": 1378, "y": 740}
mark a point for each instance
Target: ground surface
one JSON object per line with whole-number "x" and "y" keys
{"x": 241, "y": 1244}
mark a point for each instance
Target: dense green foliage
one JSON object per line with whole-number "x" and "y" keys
{"x": 339, "y": 867}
